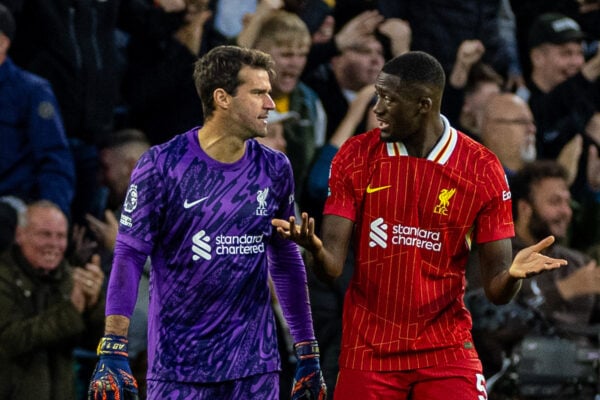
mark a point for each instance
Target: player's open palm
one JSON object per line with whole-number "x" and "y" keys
{"x": 530, "y": 261}
{"x": 303, "y": 234}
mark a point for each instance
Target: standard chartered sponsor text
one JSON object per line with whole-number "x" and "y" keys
{"x": 417, "y": 237}
{"x": 244, "y": 244}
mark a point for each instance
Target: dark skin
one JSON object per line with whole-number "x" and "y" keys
{"x": 411, "y": 114}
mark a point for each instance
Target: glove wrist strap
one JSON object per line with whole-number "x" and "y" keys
{"x": 113, "y": 345}
{"x": 307, "y": 349}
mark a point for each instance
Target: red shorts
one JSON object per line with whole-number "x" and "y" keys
{"x": 459, "y": 380}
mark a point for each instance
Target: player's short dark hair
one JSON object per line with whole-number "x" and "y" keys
{"x": 417, "y": 68}
{"x": 534, "y": 172}
{"x": 220, "y": 67}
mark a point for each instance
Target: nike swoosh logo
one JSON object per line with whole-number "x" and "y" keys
{"x": 377, "y": 189}
{"x": 186, "y": 204}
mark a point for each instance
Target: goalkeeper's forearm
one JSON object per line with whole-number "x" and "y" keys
{"x": 116, "y": 325}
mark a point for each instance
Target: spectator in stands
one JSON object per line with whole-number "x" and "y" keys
{"x": 338, "y": 81}
{"x": 470, "y": 83}
{"x": 118, "y": 157}
{"x": 10, "y": 209}
{"x": 558, "y": 302}
{"x": 73, "y": 44}
{"x": 49, "y": 308}
{"x": 35, "y": 160}
{"x": 440, "y": 27}
{"x": 286, "y": 38}
{"x": 160, "y": 65}
{"x": 565, "y": 101}
{"x": 563, "y": 86}
{"x": 508, "y": 129}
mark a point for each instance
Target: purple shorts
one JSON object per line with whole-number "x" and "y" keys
{"x": 265, "y": 386}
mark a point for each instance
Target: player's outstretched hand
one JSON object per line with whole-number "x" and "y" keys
{"x": 529, "y": 261}
{"x": 112, "y": 379}
{"x": 303, "y": 234}
{"x": 308, "y": 380}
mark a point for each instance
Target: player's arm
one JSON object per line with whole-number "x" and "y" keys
{"x": 330, "y": 253}
{"x": 116, "y": 325}
{"x": 502, "y": 275}
{"x": 112, "y": 377}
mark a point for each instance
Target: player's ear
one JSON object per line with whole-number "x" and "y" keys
{"x": 221, "y": 98}
{"x": 425, "y": 104}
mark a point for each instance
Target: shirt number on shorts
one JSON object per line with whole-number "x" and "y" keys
{"x": 481, "y": 387}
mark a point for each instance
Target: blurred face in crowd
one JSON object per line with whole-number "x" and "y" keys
{"x": 359, "y": 65}
{"x": 508, "y": 129}
{"x": 275, "y": 138}
{"x": 43, "y": 240}
{"x": 549, "y": 208}
{"x": 289, "y": 60}
{"x": 475, "y": 103}
{"x": 555, "y": 63}
{"x": 116, "y": 171}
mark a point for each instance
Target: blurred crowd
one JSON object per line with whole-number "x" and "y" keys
{"x": 87, "y": 86}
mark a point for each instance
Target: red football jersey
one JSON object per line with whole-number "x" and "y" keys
{"x": 415, "y": 221}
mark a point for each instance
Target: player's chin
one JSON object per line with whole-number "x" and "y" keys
{"x": 259, "y": 133}
{"x": 386, "y": 137}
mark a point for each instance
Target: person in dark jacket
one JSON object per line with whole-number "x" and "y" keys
{"x": 35, "y": 160}
{"x": 73, "y": 45}
{"x": 48, "y": 308}
{"x": 565, "y": 101}
{"x": 157, "y": 86}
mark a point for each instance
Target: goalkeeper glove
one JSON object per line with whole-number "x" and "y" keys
{"x": 308, "y": 380}
{"x": 112, "y": 379}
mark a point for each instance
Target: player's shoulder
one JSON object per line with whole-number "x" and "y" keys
{"x": 473, "y": 148}
{"x": 176, "y": 144}
{"x": 274, "y": 159}
{"x": 362, "y": 142}
{"x": 267, "y": 152}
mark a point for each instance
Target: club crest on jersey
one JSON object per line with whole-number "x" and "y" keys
{"x": 131, "y": 199}
{"x": 444, "y": 198}
{"x": 261, "y": 198}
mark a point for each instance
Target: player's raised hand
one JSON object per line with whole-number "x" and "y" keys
{"x": 303, "y": 234}
{"x": 112, "y": 379}
{"x": 529, "y": 261}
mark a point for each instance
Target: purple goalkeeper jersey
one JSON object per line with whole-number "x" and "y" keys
{"x": 207, "y": 228}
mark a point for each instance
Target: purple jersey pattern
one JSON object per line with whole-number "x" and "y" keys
{"x": 206, "y": 226}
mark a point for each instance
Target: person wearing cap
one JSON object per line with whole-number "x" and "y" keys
{"x": 565, "y": 102}
{"x": 35, "y": 160}
{"x": 562, "y": 83}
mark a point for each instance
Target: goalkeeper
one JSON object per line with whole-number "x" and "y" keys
{"x": 201, "y": 207}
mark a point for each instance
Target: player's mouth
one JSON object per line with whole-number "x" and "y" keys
{"x": 383, "y": 125}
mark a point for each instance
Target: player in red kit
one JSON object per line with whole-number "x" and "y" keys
{"x": 413, "y": 195}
